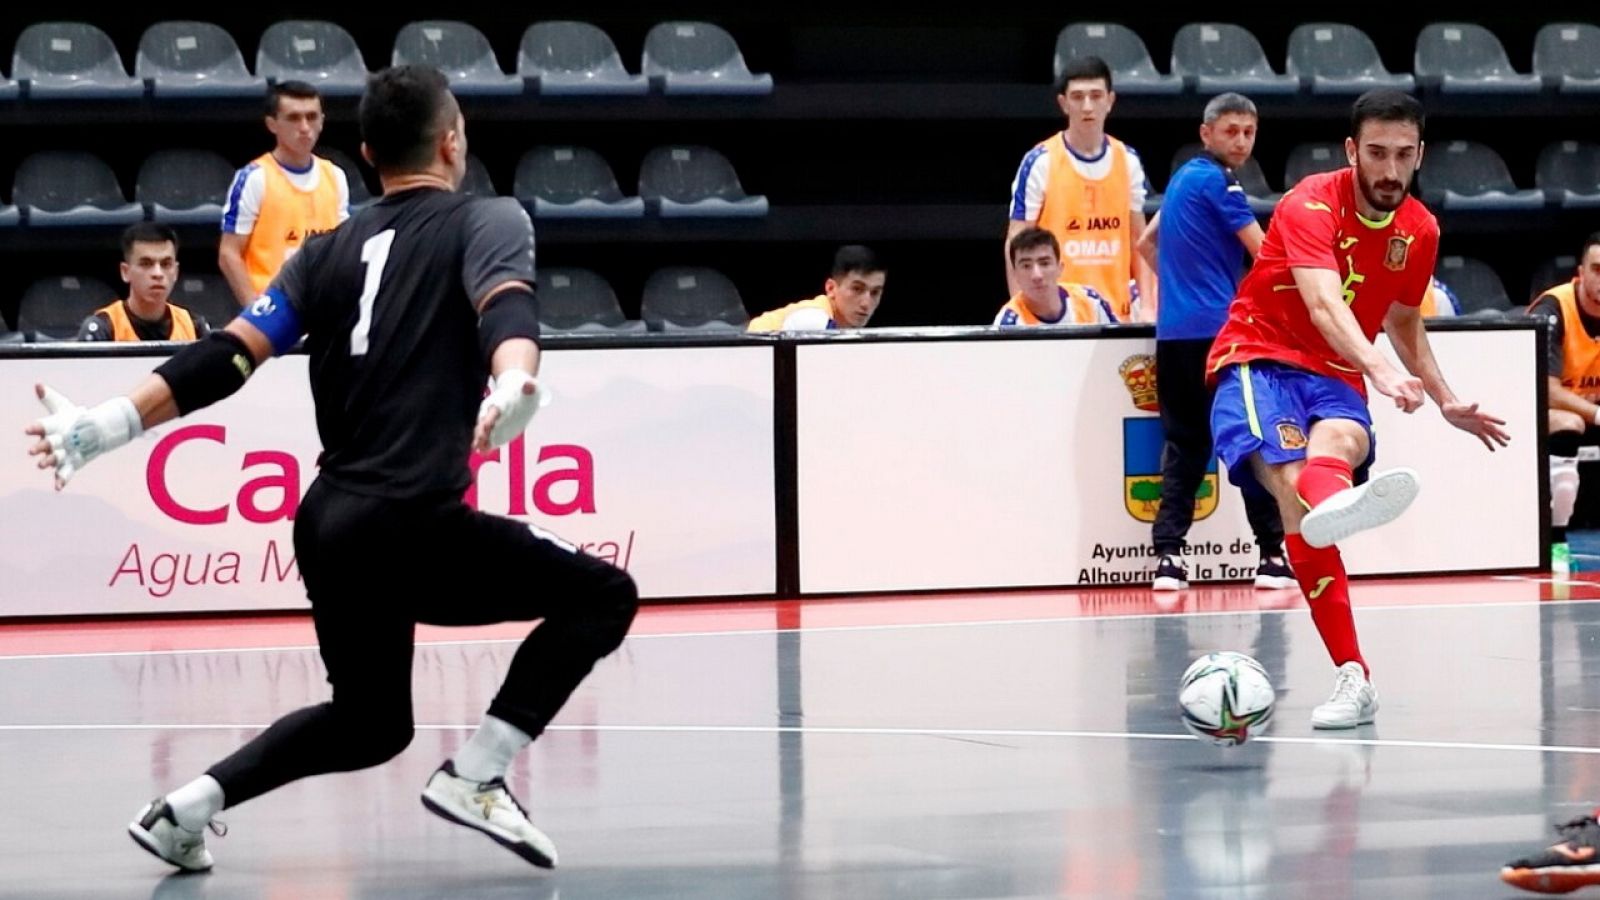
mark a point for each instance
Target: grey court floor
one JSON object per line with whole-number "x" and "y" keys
{"x": 919, "y": 759}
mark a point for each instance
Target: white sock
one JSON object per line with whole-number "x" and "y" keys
{"x": 195, "y": 803}
{"x": 1563, "y": 489}
{"x": 487, "y": 754}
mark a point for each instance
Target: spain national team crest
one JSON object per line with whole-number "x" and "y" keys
{"x": 1290, "y": 436}
{"x": 1142, "y": 439}
{"x": 1395, "y": 259}
{"x": 1139, "y": 377}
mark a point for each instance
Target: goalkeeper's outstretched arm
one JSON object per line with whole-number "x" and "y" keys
{"x": 70, "y": 436}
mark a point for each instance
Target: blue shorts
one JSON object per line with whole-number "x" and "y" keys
{"x": 1267, "y": 408}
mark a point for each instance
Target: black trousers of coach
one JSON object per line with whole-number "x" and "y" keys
{"x": 1186, "y": 419}
{"x": 375, "y": 567}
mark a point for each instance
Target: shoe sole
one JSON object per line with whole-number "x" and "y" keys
{"x": 1274, "y": 582}
{"x": 1552, "y": 879}
{"x": 520, "y": 848}
{"x": 148, "y": 842}
{"x": 1367, "y": 719}
{"x": 1381, "y": 501}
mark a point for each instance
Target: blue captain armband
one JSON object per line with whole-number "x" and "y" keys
{"x": 274, "y": 316}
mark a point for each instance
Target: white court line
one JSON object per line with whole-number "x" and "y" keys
{"x": 828, "y": 629}
{"x": 883, "y": 732}
{"x": 1564, "y": 581}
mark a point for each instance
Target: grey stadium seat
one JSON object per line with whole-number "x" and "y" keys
{"x": 194, "y": 59}
{"x": 694, "y": 182}
{"x": 1461, "y": 57}
{"x": 71, "y": 188}
{"x": 9, "y": 90}
{"x": 681, "y": 298}
{"x": 206, "y": 294}
{"x": 51, "y": 309}
{"x": 1332, "y": 58}
{"x": 1471, "y": 176}
{"x": 1309, "y": 159}
{"x": 1552, "y": 272}
{"x": 1567, "y": 55}
{"x": 460, "y": 51}
{"x": 321, "y": 54}
{"x": 571, "y": 182}
{"x": 478, "y": 183}
{"x": 578, "y": 300}
{"x": 699, "y": 58}
{"x": 565, "y": 58}
{"x": 1569, "y": 172}
{"x": 1475, "y": 284}
{"x": 74, "y": 60}
{"x": 354, "y": 173}
{"x": 184, "y": 187}
{"x": 1216, "y": 57}
{"x": 1132, "y": 70}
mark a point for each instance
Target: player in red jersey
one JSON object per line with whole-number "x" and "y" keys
{"x": 1348, "y": 253}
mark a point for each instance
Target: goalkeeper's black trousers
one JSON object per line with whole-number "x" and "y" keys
{"x": 1186, "y": 420}
{"x": 373, "y": 568}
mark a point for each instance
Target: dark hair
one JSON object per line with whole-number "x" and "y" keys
{"x": 147, "y": 233}
{"x": 402, "y": 113}
{"x": 855, "y": 258}
{"x": 299, "y": 90}
{"x": 1083, "y": 67}
{"x": 1032, "y": 238}
{"x": 1591, "y": 241}
{"x": 1385, "y": 105}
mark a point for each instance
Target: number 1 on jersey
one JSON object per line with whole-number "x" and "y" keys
{"x": 375, "y": 255}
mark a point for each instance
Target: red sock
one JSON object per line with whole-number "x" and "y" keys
{"x": 1320, "y": 572}
{"x": 1322, "y": 477}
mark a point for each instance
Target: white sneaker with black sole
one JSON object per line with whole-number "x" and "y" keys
{"x": 1274, "y": 574}
{"x": 1354, "y": 700}
{"x": 1381, "y": 500}
{"x": 489, "y": 807}
{"x": 157, "y": 830}
{"x": 1172, "y": 574}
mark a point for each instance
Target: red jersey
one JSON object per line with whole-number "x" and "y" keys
{"x": 1316, "y": 226}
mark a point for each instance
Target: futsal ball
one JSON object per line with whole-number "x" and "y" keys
{"x": 1226, "y": 697}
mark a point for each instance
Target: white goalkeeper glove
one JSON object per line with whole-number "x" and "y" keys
{"x": 70, "y": 436}
{"x": 514, "y": 396}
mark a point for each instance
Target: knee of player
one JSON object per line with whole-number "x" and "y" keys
{"x": 390, "y": 736}
{"x": 376, "y": 732}
{"x": 623, "y": 596}
{"x": 615, "y": 607}
{"x": 1562, "y": 420}
{"x": 1348, "y": 443}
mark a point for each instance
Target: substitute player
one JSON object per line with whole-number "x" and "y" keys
{"x": 1347, "y": 253}
{"x": 1043, "y": 299}
{"x": 849, "y": 297}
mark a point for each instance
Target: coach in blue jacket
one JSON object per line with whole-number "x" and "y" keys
{"x": 1198, "y": 243}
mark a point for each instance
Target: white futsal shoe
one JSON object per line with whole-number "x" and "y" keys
{"x": 1354, "y": 701}
{"x": 1381, "y": 500}
{"x": 157, "y": 830}
{"x": 489, "y": 807}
